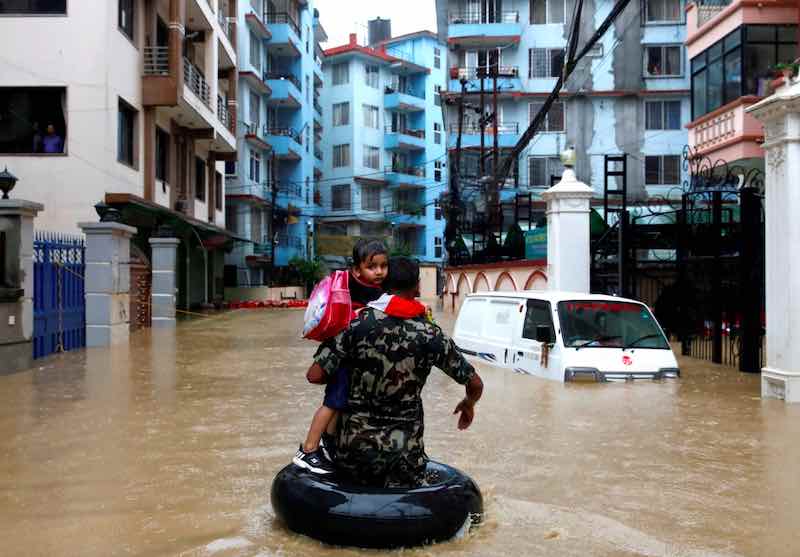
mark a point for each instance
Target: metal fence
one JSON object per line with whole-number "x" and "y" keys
{"x": 59, "y": 303}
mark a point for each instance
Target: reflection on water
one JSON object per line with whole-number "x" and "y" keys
{"x": 168, "y": 447}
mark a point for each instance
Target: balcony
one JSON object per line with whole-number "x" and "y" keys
{"x": 262, "y": 251}
{"x": 156, "y": 61}
{"x": 507, "y": 135}
{"x": 405, "y": 177}
{"x": 406, "y": 214}
{"x": 285, "y": 39}
{"x": 404, "y": 139}
{"x": 286, "y": 89}
{"x": 406, "y": 101}
{"x": 255, "y": 135}
{"x": 482, "y": 30}
{"x": 286, "y": 143}
{"x": 256, "y": 82}
{"x": 708, "y": 9}
{"x": 729, "y": 133}
{"x": 224, "y": 116}
{"x": 508, "y": 79}
{"x": 256, "y": 25}
{"x": 258, "y": 192}
{"x": 317, "y": 108}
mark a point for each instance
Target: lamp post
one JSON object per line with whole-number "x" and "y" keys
{"x": 7, "y": 182}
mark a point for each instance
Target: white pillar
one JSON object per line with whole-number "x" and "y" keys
{"x": 568, "y": 234}
{"x": 780, "y": 114}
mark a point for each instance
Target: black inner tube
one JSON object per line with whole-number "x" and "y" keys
{"x": 344, "y": 514}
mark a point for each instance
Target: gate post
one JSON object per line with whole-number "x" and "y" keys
{"x": 750, "y": 268}
{"x": 16, "y": 283}
{"x": 108, "y": 278}
{"x": 568, "y": 234}
{"x": 162, "y": 295}
{"x": 780, "y": 114}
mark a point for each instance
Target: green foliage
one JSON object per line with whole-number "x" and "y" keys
{"x": 514, "y": 245}
{"x": 399, "y": 249}
{"x": 309, "y": 271}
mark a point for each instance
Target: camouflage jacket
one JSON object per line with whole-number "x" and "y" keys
{"x": 380, "y": 437}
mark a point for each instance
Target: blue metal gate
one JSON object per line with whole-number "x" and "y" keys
{"x": 59, "y": 304}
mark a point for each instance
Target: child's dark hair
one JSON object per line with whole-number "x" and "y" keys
{"x": 403, "y": 274}
{"x": 365, "y": 249}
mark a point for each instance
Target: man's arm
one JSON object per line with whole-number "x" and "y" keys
{"x": 474, "y": 390}
{"x": 328, "y": 358}
{"x": 447, "y": 358}
{"x": 316, "y": 375}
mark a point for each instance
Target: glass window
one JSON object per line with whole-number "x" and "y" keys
{"x": 662, "y": 170}
{"x": 672, "y": 115}
{"x": 654, "y": 115}
{"x": 437, "y": 209}
{"x": 371, "y": 115}
{"x": 25, "y": 7}
{"x": 231, "y": 168}
{"x": 340, "y": 197}
{"x": 218, "y": 181}
{"x": 341, "y": 114}
{"x": 126, "y": 17}
{"x": 373, "y": 229}
{"x": 663, "y": 61}
{"x": 255, "y": 166}
{"x": 715, "y": 87}
{"x": 603, "y": 324}
{"x": 255, "y": 112}
{"x": 542, "y": 169}
{"x": 437, "y": 172}
{"x": 699, "y": 104}
{"x": 437, "y": 133}
{"x": 538, "y": 12}
{"x": 761, "y": 34}
{"x": 199, "y": 179}
{"x": 547, "y": 11}
{"x": 255, "y": 52}
{"x": 545, "y": 63}
{"x": 537, "y": 313}
{"x": 733, "y": 75}
{"x": 554, "y": 120}
{"x": 437, "y": 58}
{"x": 437, "y": 247}
{"x": 370, "y": 198}
{"x": 372, "y": 76}
{"x": 372, "y": 157}
{"x": 162, "y": 155}
{"x": 787, "y": 34}
{"x": 341, "y": 74}
{"x": 663, "y": 10}
{"x": 33, "y": 120}
{"x": 126, "y": 134}
{"x": 341, "y": 155}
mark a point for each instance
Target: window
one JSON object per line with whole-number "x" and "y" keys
{"x": 230, "y": 219}
{"x": 437, "y": 247}
{"x": 125, "y": 14}
{"x": 372, "y": 76}
{"x": 308, "y": 140}
{"x": 26, "y": 117}
{"x": 126, "y": 134}
{"x": 371, "y": 115}
{"x": 308, "y": 190}
{"x": 662, "y": 61}
{"x": 162, "y": 155}
{"x": 341, "y": 74}
{"x": 542, "y": 169}
{"x": 255, "y": 113}
{"x": 231, "y": 168}
{"x": 658, "y": 11}
{"x": 437, "y": 97}
{"x": 662, "y": 170}
{"x": 308, "y": 89}
{"x": 255, "y": 53}
{"x": 308, "y": 40}
{"x": 370, "y": 198}
{"x": 553, "y": 121}
{"x": 437, "y": 58}
{"x": 255, "y": 166}
{"x": 372, "y": 157}
{"x": 545, "y": 62}
{"x": 255, "y": 225}
{"x": 437, "y": 133}
{"x": 341, "y": 197}
{"x": 341, "y": 114}
{"x": 547, "y": 11}
{"x": 33, "y": 7}
{"x": 662, "y": 115}
{"x": 537, "y": 313}
{"x": 437, "y": 209}
{"x": 437, "y": 171}
{"x": 199, "y": 179}
{"x": 218, "y": 191}
{"x": 341, "y": 155}
{"x": 373, "y": 229}
{"x": 740, "y": 64}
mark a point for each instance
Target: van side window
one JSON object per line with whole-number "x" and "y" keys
{"x": 538, "y": 313}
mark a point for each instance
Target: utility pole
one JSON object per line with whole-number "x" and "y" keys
{"x": 482, "y": 122}
{"x": 451, "y": 231}
{"x": 272, "y": 234}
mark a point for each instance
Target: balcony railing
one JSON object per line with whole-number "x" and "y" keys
{"x": 389, "y": 90}
{"x": 472, "y": 128}
{"x": 222, "y": 112}
{"x": 488, "y": 72}
{"x": 250, "y": 128}
{"x": 290, "y": 241}
{"x": 407, "y": 170}
{"x": 156, "y": 60}
{"x": 284, "y": 132}
{"x": 409, "y": 208}
{"x": 317, "y": 106}
{"x": 196, "y": 82}
{"x": 282, "y": 18}
{"x": 318, "y": 153}
{"x": 222, "y": 18}
{"x": 284, "y": 75}
{"x": 264, "y": 247}
{"x": 708, "y": 9}
{"x": 406, "y": 131}
{"x": 476, "y": 17}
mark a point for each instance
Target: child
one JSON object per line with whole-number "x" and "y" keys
{"x": 370, "y": 267}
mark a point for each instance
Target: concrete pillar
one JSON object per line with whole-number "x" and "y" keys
{"x": 164, "y": 261}
{"x": 108, "y": 281}
{"x": 16, "y": 284}
{"x": 780, "y": 114}
{"x": 568, "y": 234}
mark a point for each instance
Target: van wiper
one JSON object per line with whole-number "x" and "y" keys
{"x": 640, "y": 339}
{"x": 604, "y": 338}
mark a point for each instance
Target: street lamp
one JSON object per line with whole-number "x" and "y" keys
{"x": 7, "y": 182}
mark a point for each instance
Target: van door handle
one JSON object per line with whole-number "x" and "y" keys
{"x": 519, "y": 353}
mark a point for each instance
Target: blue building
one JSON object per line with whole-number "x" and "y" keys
{"x": 630, "y": 95}
{"x": 385, "y": 146}
{"x": 270, "y": 196}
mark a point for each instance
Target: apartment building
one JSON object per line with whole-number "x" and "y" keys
{"x": 733, "y": 48}
{"x": 271, "y": 185}
{"x": 629, "y": 96}
{"x": 384, "y": 150}
{"x": 130, "y": 102}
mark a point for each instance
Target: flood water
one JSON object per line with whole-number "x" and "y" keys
{"x": 168, "y": 447}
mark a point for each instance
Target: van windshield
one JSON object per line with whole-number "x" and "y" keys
{"x": 605, "y": 324}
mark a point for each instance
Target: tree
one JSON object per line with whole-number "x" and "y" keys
{"x": 309, "y": 271}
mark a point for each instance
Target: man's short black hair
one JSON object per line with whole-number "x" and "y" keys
{"x": 403, "y": 274}
{"x": 365, "y": 249}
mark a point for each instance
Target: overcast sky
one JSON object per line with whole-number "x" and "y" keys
{"x": 342, "y": 17}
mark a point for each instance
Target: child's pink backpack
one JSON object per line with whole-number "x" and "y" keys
{"x": 329, "y": 307}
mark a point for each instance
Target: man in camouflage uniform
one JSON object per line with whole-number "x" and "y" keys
{"x": 390, "y": 349}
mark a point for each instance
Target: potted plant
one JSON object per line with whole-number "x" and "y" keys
{"x": 788, "y": 70}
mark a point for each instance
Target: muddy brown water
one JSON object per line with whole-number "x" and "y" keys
{"x": 168, "y": 447}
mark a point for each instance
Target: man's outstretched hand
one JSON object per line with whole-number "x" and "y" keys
{"x": 467, "y": 410}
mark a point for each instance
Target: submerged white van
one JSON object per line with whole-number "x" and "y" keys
{"x": 565, "y": 336}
